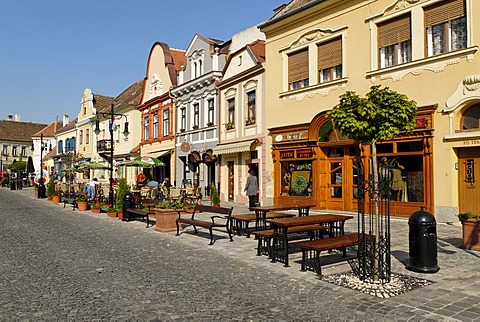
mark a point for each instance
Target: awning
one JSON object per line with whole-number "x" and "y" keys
{"x": 236, "y": 147}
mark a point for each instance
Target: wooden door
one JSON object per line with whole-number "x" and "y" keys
{"x": 468, "y": 180}
{"x": 335, "y": 183}
{"x": 231, "y": 179}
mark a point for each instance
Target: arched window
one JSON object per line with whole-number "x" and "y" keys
{"x": 327, "y": 133}
{"x": 471, "y": 117}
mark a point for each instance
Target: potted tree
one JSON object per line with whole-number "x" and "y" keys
{"x": 214, "y": 196}
{"x": 122, "y": 190}
{"x": 50, "y": 189}
{"x": 470, "y": 230}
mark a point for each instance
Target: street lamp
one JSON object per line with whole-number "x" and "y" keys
{"x": 41, "y": 184}
{"x": 97, "y": 131}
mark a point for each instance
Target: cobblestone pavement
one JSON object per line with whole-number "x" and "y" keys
{"x": 62, "y": 265}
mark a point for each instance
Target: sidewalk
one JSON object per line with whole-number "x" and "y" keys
{"x": 454, "y": 294}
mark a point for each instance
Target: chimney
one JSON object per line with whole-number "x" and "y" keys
{"x": 65, "y": 119}
{"x": 17, "y": 117}
{"x": 10, "y": 118}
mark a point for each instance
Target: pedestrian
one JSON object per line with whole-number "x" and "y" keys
{"x": 141, "y": 179}
{"x": 251, "y": 188}
{"x": 91, "y": 188}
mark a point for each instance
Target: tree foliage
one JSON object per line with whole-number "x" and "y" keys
{"x": 383, "y": 114}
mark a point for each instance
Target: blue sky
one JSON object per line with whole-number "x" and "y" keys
{"x": 51, "y": 50}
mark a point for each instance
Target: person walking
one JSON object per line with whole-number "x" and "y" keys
{"x": 251, "y": 188}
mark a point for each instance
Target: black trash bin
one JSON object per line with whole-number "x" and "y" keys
{"x": 422, "y": 243}
{"x": 127, "y": 203}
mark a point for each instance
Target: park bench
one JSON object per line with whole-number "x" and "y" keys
{"x": 311, "y": 249}
{"x": 70, "y": 201}
{"x": 144, "y": 213}
{"x": 221, "y": 213}
{"x": 264, "y": 237}
{"x": 240, "y": 222}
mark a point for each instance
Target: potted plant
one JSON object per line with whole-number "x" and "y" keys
{"x": 182, "y": 130}
{"x": 110, "y": 209}
{"x": 36, "y": 190}
{"x": 96, "y": 207}
{"x": 122, "y": 190}
{"x": 195, "y": 126}
{"x": 209, "y": 123}
{"x": 166, "y": 214}
{"x": 82, "y": 201}
{"x": 214, "y": 196}
{"x": 57, "y": 195}
{"x": 50, "y": 189}
{"x": 470, "y": 230}
{"x": 229, "y": 125}
{"x": 250, "y": 120}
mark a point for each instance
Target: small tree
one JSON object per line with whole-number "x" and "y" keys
{"x": 122, "y": 189}
{"x": 50, "y": 188}
{"x": 383, "y": 114}
{"x": 215, "y": 197}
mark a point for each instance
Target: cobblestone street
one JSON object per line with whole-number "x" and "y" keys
{"x": 62, "y": 265}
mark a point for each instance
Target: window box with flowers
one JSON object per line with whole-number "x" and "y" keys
{"x": 250, "y": 121}
{"x": 182, "y": 130}
{"x": 210, "y": 124}
{"x": 195, "y": 127}
{"x": 229, "y": 125}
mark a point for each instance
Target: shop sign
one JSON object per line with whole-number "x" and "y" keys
{"x": 421, "y": 123}
{"x": 304, "y": 153}
{"x": 471, "y": 142}
{"x": 289, "y": 154}
{"x": 301, "y": 135}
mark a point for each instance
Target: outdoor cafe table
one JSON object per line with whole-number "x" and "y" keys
{"x": 261, "y": 212}
{"x": 336, "y": 225}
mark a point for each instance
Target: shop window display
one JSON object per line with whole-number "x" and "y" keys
{"x": 296, "y": 178}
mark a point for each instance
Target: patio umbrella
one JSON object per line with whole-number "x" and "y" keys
{"x": 136, "y": 163}
{"x": 151, "y": 160}
{"x": 91, "y": 166}
{"x": 30, "y": 167}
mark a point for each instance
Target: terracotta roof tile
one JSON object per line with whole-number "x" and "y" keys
{"x": 258, "y": 49}
{"x": 102, "y": 102}
{"x": 179, "y": 58}
{"x": 19, "y": 131}
{"x": 131, "y": 96}
{"x": 69, "y": 126}
{"x": 49, "y": 131}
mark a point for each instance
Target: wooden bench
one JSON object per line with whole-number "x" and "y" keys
{"x": 264, "y": 237}
{"x": 311, "y": 249}
{"x": 70, "y": 201}
{"x": 240, "y": 222}
{"x": 226, "y": 217}
{"x": 144, "y": 213}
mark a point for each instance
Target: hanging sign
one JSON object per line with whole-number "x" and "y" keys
{"x": 289, "y": 154}
{"x": 304, "y": 153}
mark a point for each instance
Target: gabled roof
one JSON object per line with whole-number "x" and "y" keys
{"x": 131, "y": 96}
{"x": 290, "y": 9}
{"x": 179, "y": 59}
{"x": 49, "y": 131}
{"x": 19, "y": 131}
{"x": 68, "y": 127}
{"x": 102, "y": 102}
{"x": 258, "y": 50}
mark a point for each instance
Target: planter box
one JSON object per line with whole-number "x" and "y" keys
{"x": 165, "y": 220}
{"x": 471, "y": 234}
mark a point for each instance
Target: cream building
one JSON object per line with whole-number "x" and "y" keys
{"x": 427, "y": 49}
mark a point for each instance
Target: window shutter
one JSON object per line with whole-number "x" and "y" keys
{"x": 330, "y": 54}
{"x": 443, "y": 12}
{"x": 298, "y": 66}
{"x": 394, "y": 31}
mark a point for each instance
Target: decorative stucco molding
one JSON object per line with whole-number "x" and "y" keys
{"x": 467, "y": 89}
{"x": 322, "y": 90}
{"x": 314, "y": 35}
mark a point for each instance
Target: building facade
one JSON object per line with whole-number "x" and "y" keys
{"x": 427, "y": 49}
{"x": 196, "y": 104}
{"x": 157, "y": 108}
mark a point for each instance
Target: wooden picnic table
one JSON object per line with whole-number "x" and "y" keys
{"x": 336, "y": 225}
{"x": 261, "y": 212}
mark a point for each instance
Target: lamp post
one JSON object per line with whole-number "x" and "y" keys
{"x": 41, "y": 184}
{"x": 111, "y": 116}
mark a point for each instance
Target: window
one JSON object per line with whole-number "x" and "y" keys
{"x": 166, "y": 122}
{"x": 24, "y": 151}
{"x": 196, "y": 115}
{"x": 84, "y": 110}
{"x": 296, "y": 178}
{"x": 145, "y": 129}
{"x": 81, "y": 138}
{"x": 298, "y": 70}
{"x": 5, "y": 150}
{"x": 211, "y": 112}
{"x": 394, "y": 41}
{"x": 231, "y": 113}
{"x": 14, "y": 150}
{"x": 155, "y": 126}
{"x": 330, "y": 60}
{"x": 251, "y": 108}
{"x": 183, "y": 120}
{"x": 446, "y": 27}
{"x": 87, "y": 136}
{"x": 60, "y": 147}
{"x": 471, "y": 117}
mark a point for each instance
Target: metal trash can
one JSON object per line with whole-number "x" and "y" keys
{"x": 127, "y": 203}
{"x": 422, "y": 242}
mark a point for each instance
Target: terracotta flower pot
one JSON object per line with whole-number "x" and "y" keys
{"x": 56, "y": 199}
{"x": 82, "y": 205}
{"x": 95, "y": 211}
{"x": 112, "y": 214}
{"x": 165, "y": 220}
{"x": 471, "y": 234}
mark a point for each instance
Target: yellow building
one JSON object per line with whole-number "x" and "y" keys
{"x": 427, "y": 49}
